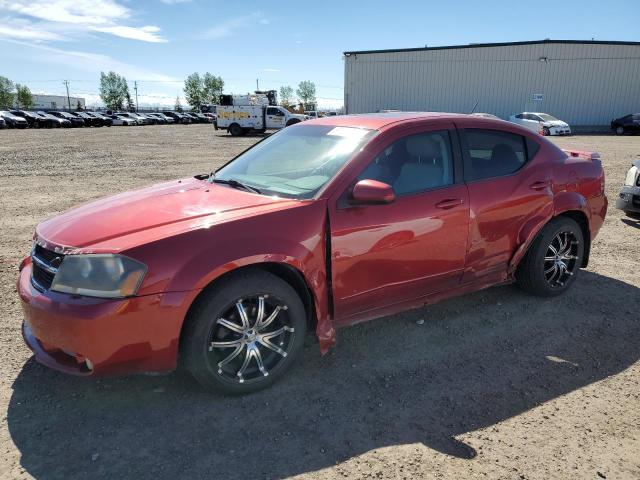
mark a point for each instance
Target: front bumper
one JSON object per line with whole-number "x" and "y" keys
{"x": 132, "y": 335}
{"x": 559, "y": 131}
{"x": 629, "y": 199}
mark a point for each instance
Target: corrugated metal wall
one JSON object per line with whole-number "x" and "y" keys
{"x": 583, "y": 84}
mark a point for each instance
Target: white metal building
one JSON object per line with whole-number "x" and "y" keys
{"x": 55, "y": 102}
{"x": 586, "y": 83}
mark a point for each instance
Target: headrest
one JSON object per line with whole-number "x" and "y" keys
{"x": 422, "y": 146}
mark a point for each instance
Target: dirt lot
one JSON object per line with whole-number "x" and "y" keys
{"x": 497, "y": 384}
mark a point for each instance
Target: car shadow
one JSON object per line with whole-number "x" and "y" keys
{"x": 474, "y": 362}
{"x": 631, "y": 222}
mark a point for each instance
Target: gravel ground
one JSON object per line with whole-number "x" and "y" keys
{"x": 496, "y": 384}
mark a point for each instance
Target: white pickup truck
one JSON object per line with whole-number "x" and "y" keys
{"x": 252, "y": 113}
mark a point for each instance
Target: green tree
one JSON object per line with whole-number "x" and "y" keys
{"x": 178, "y": 106}
{"x": 307, "y": 93}
{"x": 286, "y": 96}
{"x": 6, "y": 93}
{"x": 194, "y": 90}
{"x": 113, "y": 90}
{"x": 212, "y": 88}
{"x": 24, "y": 99}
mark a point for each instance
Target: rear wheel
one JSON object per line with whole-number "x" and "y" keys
{"x": 235, "y": 130}
{"x": 553, "y": 260}
{"x": 245, "y": 334}
{"x": 619, "y": 130}
{"x": 545, "y": 131}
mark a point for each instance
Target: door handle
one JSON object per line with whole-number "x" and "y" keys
{"x": 541, "y": 185}
{"x": 449, "y": 203}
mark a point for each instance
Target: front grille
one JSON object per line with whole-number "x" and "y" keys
{"x": 45, "y": 265}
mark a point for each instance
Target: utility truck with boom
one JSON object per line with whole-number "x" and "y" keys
{"x": 241, "y": 114}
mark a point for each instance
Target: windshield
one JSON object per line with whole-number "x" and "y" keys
{"x": 297, "y": 161}
{"x": 547, "y": 118}
{"x": 8, "y": 114}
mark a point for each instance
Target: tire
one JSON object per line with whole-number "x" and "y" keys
{"x": 535, "y": 273}
{"x": 292, "y": 122}
{"x": 545, "y": 131}
{"x": 225, "y": 369}
{"x": 235, "y": 130}
{"x": 619, "y": 130}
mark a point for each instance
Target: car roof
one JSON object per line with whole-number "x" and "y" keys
{"x": 378, "y": 121}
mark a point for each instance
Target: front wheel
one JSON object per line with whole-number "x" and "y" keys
{"x": 553, "y": 260}
{"x": 245, "y": 334}
{"x": 620, "y": 131}
{"x": 546, "y": 132}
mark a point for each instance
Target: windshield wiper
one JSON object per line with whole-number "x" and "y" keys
{"x": 236, "y": 184}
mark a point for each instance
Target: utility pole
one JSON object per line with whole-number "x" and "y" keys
{"x": 135, "y": 87}
{"x": 66, "y": 84}
{"x": 257, "y": 85}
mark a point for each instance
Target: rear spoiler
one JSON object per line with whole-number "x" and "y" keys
{"x": 583, "y": 154}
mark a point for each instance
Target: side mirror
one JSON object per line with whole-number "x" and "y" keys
{"x": 373, "y": 192}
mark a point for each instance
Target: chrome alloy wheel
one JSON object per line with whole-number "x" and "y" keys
{"x": 251, "y": 339}
{"x": 560, "y": 260}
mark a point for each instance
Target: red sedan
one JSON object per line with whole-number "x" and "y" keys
{"x": 322, "y": 225}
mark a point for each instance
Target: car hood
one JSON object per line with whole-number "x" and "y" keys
{"x": 132, "y": 218}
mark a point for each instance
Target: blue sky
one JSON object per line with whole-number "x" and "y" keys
{"x": 159, "y": 42}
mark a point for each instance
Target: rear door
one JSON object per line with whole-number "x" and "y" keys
{"x": 507, "y": 187}
{"x": 388, "y": 254}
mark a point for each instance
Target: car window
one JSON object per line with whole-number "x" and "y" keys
{"x": 520, "y": 115}
{"x": 414, "y": 163}
{"x": 297, "y": 161}
{"x": 273, "y": 111}
{"x": 493, "y": 153}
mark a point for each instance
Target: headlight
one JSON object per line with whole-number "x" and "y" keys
{"x": 101, "y": 275}
{"x": 630, "y": 180}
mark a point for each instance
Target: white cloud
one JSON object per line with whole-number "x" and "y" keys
{"x": 25, "y": 31}
{"x": 231, "y": 26}
{"x": 77, "y": 16}
{"x": 144, "y": 34}
{"x": 91, "y": 62}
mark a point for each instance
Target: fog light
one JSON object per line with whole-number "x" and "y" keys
{"x": 89, "y": 363}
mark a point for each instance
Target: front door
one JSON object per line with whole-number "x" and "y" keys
{"x": 275, "y": 117}
{"x": 388, "y": 254}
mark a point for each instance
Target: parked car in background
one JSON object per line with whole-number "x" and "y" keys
{"x": 195, "y": 117}
{"x": 380, "y": 215}
{"x": 157, "y": 120}
{"x": 3, "y": 124}
{"x": 627, "y": 124}
{"x": 541, "y": 123}
{"x": 312, "y": 114}
{"x": 13, "y": 121}
{"x": 75, "y": 121}
{"x": 150, "y": 118}
{"x": 58, "y": 122}
{"x": 178, "y": 117}
{"x": 162, "y": 116}
{"x": 210, "y": 116}
{"x": 90, "y": 119}
{"x": 485, "y": 115}
{"x": 106, "y": 121}
{"x": 140, "y": 119}
{"x": 121, "y": 120}
{"x": 629, "y": 198}
{"x": 33, "y": 119}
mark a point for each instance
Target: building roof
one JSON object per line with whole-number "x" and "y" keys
{"x": 504, "y": 44}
